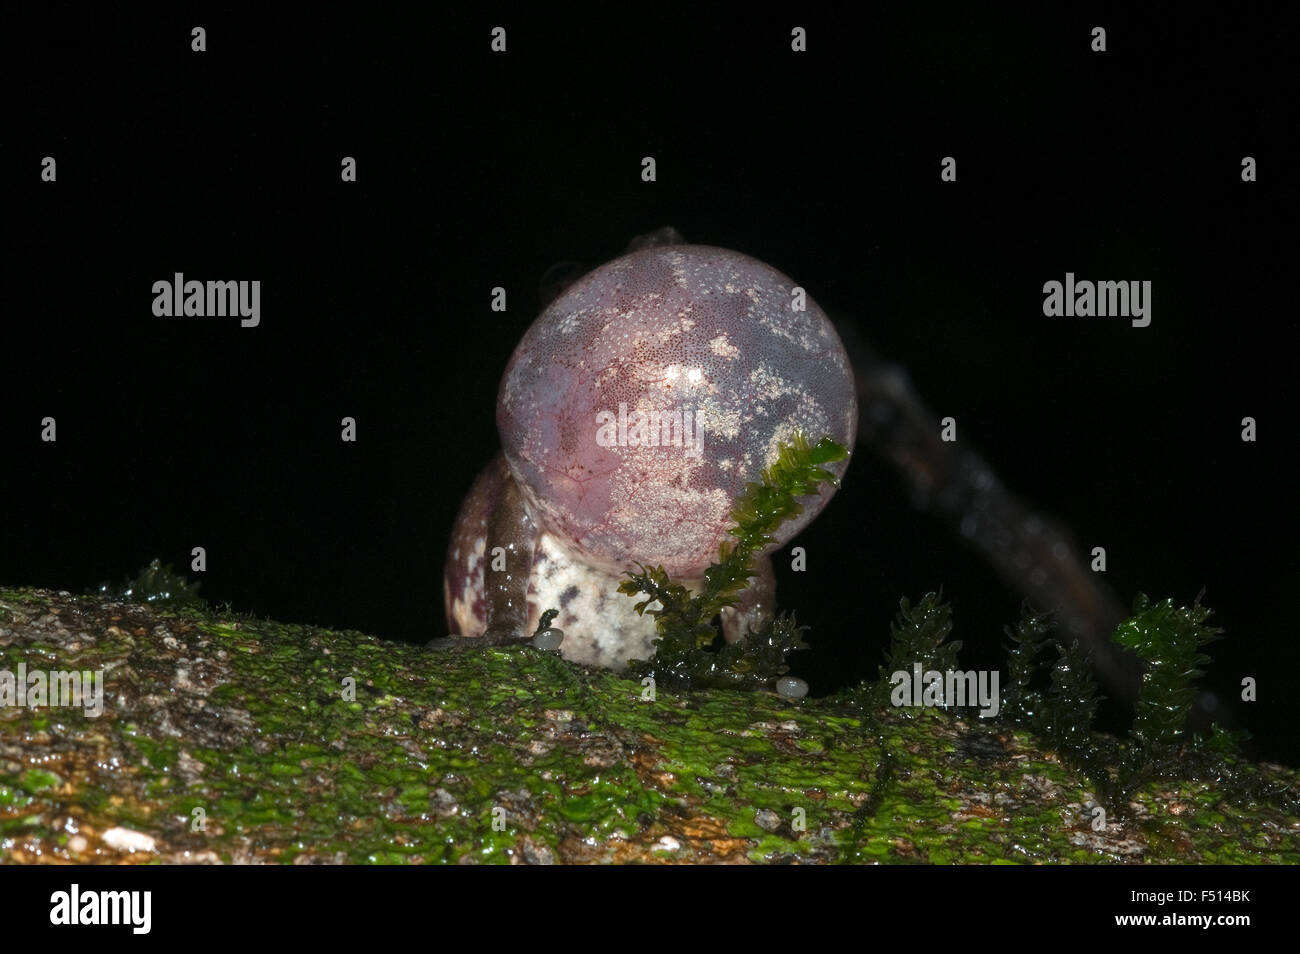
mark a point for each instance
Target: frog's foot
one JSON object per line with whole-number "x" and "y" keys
{"x": 495, "y": 636}
{"x": 454, "y": 642}
{"x": 549, "y": 638}
{"x": 505, "y": 634}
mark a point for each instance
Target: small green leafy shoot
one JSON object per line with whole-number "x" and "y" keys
{"x": 918, "y": 634}
{"x": 156, "y": 583}
{"x": 1225, "y": 743}
{"x": 1169, "y": 639}
{"x": 1067, "y": 713}
{"x": 1020, "y": 700}
{"x": 685, "y": 622}
{"x": 751, "y": 662}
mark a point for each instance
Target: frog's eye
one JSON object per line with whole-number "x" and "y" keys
{"x": 653, "y": 388}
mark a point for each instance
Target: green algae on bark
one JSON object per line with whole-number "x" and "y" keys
{"x": 226, "y": 738}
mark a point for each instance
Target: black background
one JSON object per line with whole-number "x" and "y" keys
{"x": 477, "y": 170}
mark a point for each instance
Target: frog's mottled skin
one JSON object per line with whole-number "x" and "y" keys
{"x": 670, "y": 329}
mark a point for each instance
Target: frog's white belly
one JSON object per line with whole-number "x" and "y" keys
{"x": 601, "y": 626}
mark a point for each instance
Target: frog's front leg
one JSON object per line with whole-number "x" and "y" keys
{"x": 489, "y": 564}
{"x": 511, "y": 540}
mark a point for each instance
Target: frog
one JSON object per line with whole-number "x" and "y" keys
{"x": 632, "y": 414}
{"x": 513, "y": 552}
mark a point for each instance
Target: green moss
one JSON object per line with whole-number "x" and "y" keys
{"x": 686, "y": 624}
{"x": 582, "y": 767}
{"x": 155, "y": 583}
{"x": 38, "y": 780}
{"x": 512, "y": 753}
{"x": 1168, "y": 638}
{"x": 1020, "y": 700}
{"x": 1067, "y": 713}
